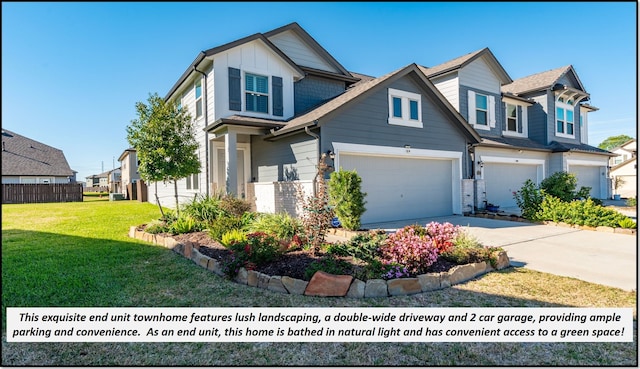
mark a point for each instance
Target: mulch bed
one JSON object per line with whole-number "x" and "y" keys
{"x": 292, "y": 264}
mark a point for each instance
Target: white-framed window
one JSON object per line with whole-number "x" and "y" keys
{"x": 256, "y": 93}
{"x": 192, "y": 181}
{"x": 511, "y": 113}
{"x": 405, "y": 108}
{"x": 482, "y": 110}
{"x": 565, "y": 125}
{"x": 198, "y": 91}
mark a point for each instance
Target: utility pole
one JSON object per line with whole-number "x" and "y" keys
{"x": 102, "y": 167}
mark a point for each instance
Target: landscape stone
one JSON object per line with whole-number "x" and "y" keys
{"x": 503, "y": 260}
{"x": 252, "y": 278}
{"x": 242, "y": 276}
{"x": 325, "y": 284}
{"x": 179, "y": 248}
{"x": 445, "y": 282}
{"x": 188, "y": 249}
{"x": 605, "y": 229}
{"x": 263, "y": 280}
{"x": 293, "y": 285}
{"x": 170, "y": 242}
{"x": 460, "y": 273}
{"x": 132, "y": 232}
{"x": 376, "y": 288}
{"x": 429, "y": 281}
{"x": 275, "y": 284}
{"x": 404, "y": 286}
{"x": 356, "y": 290}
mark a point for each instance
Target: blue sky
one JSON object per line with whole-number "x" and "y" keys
{"x": 72, "y": 72}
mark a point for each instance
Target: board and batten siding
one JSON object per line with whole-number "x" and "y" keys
{"x": 538, "y": 124}
{"x": 255, "y": 58}
{"x": 478, "y": 75}
{"x": 448, "y": 87}
{"x": 300, "y": 52}
{"x": 366, "y": 123}
{"x": 290, "y": 158}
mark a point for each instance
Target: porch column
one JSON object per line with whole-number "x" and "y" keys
{"x": 231, "y": 162}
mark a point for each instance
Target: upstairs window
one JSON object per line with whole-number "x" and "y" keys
{"x": 405, "y": 108}
{"x": 482, "y": 111}
{"x": 564, "y": 118}
{"x": 257, "y": 93}
{"x": 198, "y": 89}
{"x": 512, "y": 117}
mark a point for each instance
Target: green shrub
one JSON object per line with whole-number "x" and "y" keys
{"x": 156, "y": 226}
{"x": 234, "y": 206}
{"x": 346, "y": 198}
{"x": 579, "y": 212}
{"x": 222, "y": 225}
{"x": 465, "y": 240}
{"x": 258, "y": 248}
{"x": 627, "y": 223}
{"x": 329, "y": 265}
{"x": 528, "y": 199}
{"x": 632, "y": 201}
{"x": 185, "y": 224}
{"x": 281, "y": 225}
{"x": 363, "y": 246}
{"x": 203, "y": 208}
{"x": 233, "y": 236}
{"x": 563, "y": 186}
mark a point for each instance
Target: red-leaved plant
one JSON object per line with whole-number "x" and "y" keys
{"x": 442, "y": 235}
{"x": 410, "y": 249}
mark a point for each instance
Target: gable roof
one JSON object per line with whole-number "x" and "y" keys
{"x": 22, "y": 156}
{"x": 464, "y": 60}
{"x": 331, "y": 107}
{"x": 312, "y": 43}
{"x": 218, "y": 49}
{"x": 540, "y": 81}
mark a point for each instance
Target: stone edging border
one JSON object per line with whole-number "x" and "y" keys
{"x": 329, "y": 285}
{"x": 510, "y": 218}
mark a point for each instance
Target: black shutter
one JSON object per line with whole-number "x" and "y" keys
{"x": 521, "y": 110}
{"x": 235, "y": 91}
{"x": 276, "y": 87}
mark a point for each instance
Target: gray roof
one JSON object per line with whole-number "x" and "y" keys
{"x": 461, "y": 61}
{"x": 539, "y": 81}
{"x": 564, "y": 147}
{"x": 361, "y": 89}
{"x": 512, "y": 142}
{"x": 22, "y": 156}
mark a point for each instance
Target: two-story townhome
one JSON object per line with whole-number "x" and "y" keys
{"x": 268, "y": 106}
{"x": 624, "y": 169}
{"x": 129, "y": 168}
{"x": 530, "y": 127}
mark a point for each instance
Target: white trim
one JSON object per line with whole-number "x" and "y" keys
{"x": 523, "y": 161}
{"x": 410, "y": 153}
{"x": 491, "y": 111}
{"x": 566, "y": 107}
{"x": 244, "y": 147}
{"x": 586, "y": 163}
{"x": 243, "y": 97}
{"x": 405, "y": 97}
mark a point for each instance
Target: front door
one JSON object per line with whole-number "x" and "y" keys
{"x": 219, "y": 170}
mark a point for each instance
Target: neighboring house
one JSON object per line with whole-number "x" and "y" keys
{"x": 268, "y": 106}
{"x": 530, "y": 127}
{"x": 129, "y": 166}
{"x": 98, "y": 180}
{"x": 114, "y": 181}
{"x": 28, "y": 161}
{"x": 92, "y": 181}
{"x": 625, "y": 167}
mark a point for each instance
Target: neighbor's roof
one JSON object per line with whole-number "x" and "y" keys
{"x": 461, "y": 61}
{"x": 540, "y": 81}
{"x": 22, "y": 156}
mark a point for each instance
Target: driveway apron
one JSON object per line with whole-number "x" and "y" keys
{"x": 599, "y": 257}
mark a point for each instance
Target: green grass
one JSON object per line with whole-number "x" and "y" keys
{"x": 78, "y": 254}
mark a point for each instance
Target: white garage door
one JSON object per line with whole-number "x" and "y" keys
{"x": 502, "y": 180}
{"x": 402, "y": 188}
{"x": 588, "y": 176}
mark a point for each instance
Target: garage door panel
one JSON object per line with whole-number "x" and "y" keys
{"x": 588, "y": 176}
{"x": 402, "y": 188}
{"x": 503, "y": 179}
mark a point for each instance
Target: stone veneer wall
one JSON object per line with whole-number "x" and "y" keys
{"x": 324, "y": 284}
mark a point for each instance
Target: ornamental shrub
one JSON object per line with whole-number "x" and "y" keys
{"x": 579, "y": 212}
{"x": 563, "y": 186}
{"x": 185, "y": 224}
{"x": 346, "y": 198}
{"x": 281, "y": 225}
{"x": 442, "y": 235}
{"x": 363, "y": 246}
{"x": 329, "y": 265}
{"x": 258, "y": 249}
{"x": 234, "y": 206}
{"x": 405, "y": 247}
{"x": 233, "y": 236}
{"x": 528, "y": 199}
{"x": 203, "y": 208}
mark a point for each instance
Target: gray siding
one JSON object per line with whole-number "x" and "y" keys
{"x": 290, "y": 158}
{"x": 367, "y": 123}
{"x": 499, "y": 110}
{"x": 538, "y": 121}
{"x": 311, "y": 91}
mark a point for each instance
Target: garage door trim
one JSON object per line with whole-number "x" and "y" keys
{"x": 408, "y": 152}
{"x": 593, "y": 163}
{"x": 523, "y": 161}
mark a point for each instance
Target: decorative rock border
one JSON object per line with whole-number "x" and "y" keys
{"x": 513, "y": 218}
{"x": 329, "y": 285}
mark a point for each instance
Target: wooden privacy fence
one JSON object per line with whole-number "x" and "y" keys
{"x": 34, "y": 193}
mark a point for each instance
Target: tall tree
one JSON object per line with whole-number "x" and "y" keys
{"x": 614, "y": 141}
{"x": 164, "y": 138}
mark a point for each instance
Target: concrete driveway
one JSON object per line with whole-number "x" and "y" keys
{"x": 605, "y": 258}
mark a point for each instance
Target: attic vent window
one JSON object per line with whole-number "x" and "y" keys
{"x": 405, "y": 108}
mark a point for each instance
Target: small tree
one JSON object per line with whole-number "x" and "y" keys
{"x": 164, "y": 138}
{"x": 346, "y": 198}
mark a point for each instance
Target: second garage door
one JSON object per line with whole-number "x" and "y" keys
{"x": 588, "y": 176}
{"x": 403, "y": 188}
{"x": 502, "y": 180}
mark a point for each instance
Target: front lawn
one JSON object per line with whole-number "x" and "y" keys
{"x": 78, "y": 254}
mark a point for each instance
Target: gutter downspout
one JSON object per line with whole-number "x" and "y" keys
{"x": 206, "y": 133}
{"x": 317, "y": 138}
